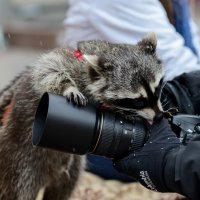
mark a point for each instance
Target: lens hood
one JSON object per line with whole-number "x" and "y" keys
{"x": 59, "y": 122}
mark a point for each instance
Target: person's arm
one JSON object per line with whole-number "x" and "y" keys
{"x": 127, "y": 22}
{"x": 182, "y": 170}
{"x": 183, "y": 92}
{"x": 164, "y": 164}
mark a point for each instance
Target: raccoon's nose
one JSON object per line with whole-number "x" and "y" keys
{"x": 158, "y": 116}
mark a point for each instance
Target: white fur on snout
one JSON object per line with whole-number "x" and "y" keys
{"x": 147, "y": 113}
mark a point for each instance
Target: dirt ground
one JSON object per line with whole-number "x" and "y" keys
{"x": 92, "y": 187}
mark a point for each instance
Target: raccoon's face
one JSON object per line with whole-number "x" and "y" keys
{"x": 145, "y": 102}
{"x": 127, "y": 78}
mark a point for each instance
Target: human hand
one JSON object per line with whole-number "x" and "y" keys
{"x": 147, "y": 164}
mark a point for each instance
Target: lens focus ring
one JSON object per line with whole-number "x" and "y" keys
{"x": 107, "y": 134}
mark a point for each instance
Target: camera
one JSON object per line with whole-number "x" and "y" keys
{"x": 64, "y": 126}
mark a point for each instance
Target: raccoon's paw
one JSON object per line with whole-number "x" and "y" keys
{"x": 74, "y": 95}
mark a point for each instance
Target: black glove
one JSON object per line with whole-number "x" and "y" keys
{"x": 183, "y": 92}
{"x": 147, "y": 164}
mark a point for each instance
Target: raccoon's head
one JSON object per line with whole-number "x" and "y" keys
{"x": 125, "y": 78}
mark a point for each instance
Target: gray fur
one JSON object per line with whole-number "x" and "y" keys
{"x": 25, "y": 169}
{"x": 114, "y": 73}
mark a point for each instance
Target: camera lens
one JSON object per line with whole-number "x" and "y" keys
{"x": 63, "y": 126}
{"x": 118, "y": 136}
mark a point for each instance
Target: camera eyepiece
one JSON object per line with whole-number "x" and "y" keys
{"x": 63, "y": 126}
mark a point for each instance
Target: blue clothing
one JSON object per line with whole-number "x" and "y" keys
{"x": 103, "y": 167}
{"x": 181, "y": 18}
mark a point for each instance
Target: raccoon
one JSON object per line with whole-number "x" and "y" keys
{"x": 121, "y": 77}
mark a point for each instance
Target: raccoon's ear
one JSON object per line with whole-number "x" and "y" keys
{"x": 92, "y": 59}
{"x": 149, "y": 43}
{"x": 94, "y": 70}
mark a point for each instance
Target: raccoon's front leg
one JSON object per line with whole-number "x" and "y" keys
{"x": 74, "y": 95}
{"x": 54, "y": 73}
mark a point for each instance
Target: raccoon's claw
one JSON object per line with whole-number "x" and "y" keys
{"x": 72, "y": 94}
{"x": 78, "y": 99}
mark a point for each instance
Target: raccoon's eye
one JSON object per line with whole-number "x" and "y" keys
{"x": 138, "y": 103}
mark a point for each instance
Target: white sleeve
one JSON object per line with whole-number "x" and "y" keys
{"x": 127, "y": 22}
{"x": 195, "y": 35}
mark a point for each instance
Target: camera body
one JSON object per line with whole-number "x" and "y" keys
{"x": 185, "y": 126}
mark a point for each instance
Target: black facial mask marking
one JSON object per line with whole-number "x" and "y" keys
{"x": 141, "y": 102}
{"x": 138, "y": 103}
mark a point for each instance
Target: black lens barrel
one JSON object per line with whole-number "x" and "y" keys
{"x": 120, "y": 136}
{"x": 63, "y": 126}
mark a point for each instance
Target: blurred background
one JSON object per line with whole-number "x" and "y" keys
{"x": 27, "y": 28}
{"x": 30, "y": 27}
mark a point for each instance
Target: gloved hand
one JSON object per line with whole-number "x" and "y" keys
{"x": 147, "y": 164}
{"x": 183, "y": 92}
